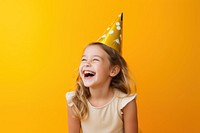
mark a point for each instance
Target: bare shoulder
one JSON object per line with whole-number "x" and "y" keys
{"x": 130, "y": 117}
{"x": 73, "y": 122}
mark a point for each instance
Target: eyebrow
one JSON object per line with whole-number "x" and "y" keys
{"x": 93, "y": 56}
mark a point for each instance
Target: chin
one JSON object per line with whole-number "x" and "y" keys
{"x": 87, "y": 85}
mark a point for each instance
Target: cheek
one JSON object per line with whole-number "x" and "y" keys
{"x": 80, "y": 68}
{"x": 103, "y": 70}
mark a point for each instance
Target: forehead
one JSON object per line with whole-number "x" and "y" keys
{"x": 92, "y": 50}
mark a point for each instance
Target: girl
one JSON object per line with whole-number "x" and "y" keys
{"x": 102, "y": 102}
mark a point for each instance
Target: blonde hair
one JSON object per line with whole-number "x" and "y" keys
{"x": 121, "y": 82}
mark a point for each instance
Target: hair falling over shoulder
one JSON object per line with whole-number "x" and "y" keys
{"x": 80, "y": 107}
{"x": 120, "y": 82}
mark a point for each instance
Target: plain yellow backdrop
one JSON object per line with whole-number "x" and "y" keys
{"x": 41, "y": 44}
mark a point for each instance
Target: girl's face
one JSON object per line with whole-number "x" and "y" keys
{"x": 95, "y": 67}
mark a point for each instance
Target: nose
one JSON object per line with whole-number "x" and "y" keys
{"x": 88, "y": 63}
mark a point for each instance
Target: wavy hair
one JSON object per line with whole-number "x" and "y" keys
{"x": 121, "y": 82}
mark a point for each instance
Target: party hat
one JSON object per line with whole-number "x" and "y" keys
{"x": 112, "y": 37}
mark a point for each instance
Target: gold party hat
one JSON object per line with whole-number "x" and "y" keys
{"x": 112, "y": 37}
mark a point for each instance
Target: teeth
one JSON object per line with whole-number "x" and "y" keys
{"x": 88, "y": 72}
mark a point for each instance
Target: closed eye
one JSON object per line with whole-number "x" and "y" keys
{"x": 83, "y": 59}
{"x": 96, "y": 59}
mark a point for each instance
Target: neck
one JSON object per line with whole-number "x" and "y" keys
{"x": 100, "y": 96}
{"x": 103, "y": 91}
{"x": 100, "y": 93}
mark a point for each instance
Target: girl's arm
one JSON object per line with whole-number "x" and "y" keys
{"x": 130, "y": 117}
{"x": 73, "y": 122}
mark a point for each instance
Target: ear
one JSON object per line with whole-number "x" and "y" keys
{"x": 114, "y": 70}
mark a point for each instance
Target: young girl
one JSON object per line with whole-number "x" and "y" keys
{"x": 102, "y": 102}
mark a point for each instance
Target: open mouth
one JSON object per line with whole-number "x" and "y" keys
{"x": 88, "y": 74}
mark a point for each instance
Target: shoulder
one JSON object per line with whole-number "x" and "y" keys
{"x": 130, "y": 117}
{"x": 125, "y": 99}
{"x": 69, "y": 96}
{"x": 73, "y": 121}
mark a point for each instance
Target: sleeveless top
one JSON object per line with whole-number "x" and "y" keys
{"x": 107, "y": 118}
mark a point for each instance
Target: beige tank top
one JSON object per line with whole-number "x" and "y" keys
{"x": 107, "y": 118}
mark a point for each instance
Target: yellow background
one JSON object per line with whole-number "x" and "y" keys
{"x": 41, "y": 44}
